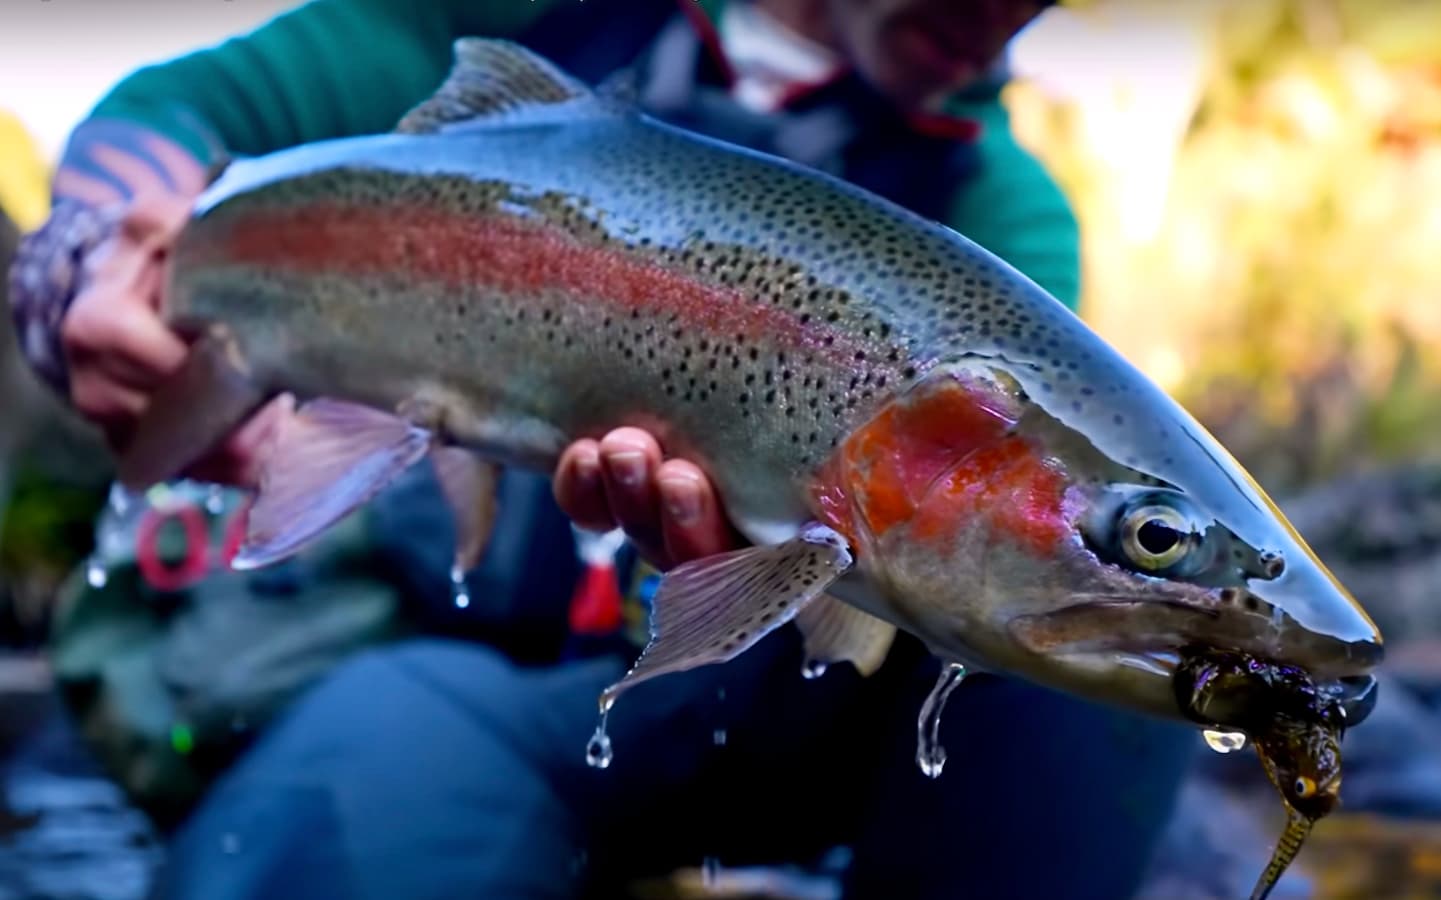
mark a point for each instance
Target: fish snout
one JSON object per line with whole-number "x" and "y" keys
{"x": 1313, "y": 622}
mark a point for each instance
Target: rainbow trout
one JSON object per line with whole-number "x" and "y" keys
{"x": 912, "y": 434}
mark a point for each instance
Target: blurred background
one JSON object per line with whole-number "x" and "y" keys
{"x": 1259, "y": 187}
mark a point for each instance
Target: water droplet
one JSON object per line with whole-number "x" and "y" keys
{"x": 709, "y": 871}
{"x": 1224, "y": 741}
{"x": 813, "y": 669}
{"x": 215, "y": 500}
{"x": 120, "y": 499}
{"x": 718, "y": 737}
{"x": 930, "y": 755}
{"x": 599, "y": 753}
{"x": 96, "y": 574}
{"x": 230, "y": 843}
{"x": 459, "y": 592}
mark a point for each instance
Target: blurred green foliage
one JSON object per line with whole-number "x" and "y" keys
{"x": 53, "y": 476}
{"x": 1287, "y": 295}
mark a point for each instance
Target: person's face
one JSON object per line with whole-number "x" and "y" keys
{"x": 916, "y": 50}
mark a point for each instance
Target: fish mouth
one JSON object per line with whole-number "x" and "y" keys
{"x": 1152, "y": 636}
{"x": 1356, "y": 695}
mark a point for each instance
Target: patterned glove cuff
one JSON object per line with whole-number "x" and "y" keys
{"x": 44, "y": 280}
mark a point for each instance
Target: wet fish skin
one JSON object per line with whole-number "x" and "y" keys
{"x": 517, "y": 281}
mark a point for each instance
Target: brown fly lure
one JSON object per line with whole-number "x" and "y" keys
{"x": 1296, "y": 727}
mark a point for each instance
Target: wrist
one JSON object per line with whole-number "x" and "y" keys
{"x": 44, "y": 280}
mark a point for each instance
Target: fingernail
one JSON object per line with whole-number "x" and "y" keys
{"x": 587, "y": 469}
{"x": 682, "y": 499}
{"x": 627, "y": 467}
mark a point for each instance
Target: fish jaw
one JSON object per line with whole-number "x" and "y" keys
{"x": 974, "y": 527}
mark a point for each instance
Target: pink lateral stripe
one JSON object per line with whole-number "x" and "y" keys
{"x": 509, "y": 254}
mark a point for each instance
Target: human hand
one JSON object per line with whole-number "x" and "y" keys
{"x": 669, "y": 508}
{"x": 87, "y": 287}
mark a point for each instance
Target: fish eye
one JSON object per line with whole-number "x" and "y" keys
{"x": 1304, "y": 787}
{"x": 1156, "y": 537}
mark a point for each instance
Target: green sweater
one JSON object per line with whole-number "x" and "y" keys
{"x": 334, "y": 68}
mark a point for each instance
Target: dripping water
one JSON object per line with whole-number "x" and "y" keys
{"x": 599, "y": 753}
{"x": 96, "y": 574}
{"x": 110, "y": 535}
{"x": 930, "y": 755}
{"x": 813, "y": 669}
{"x": 1224, "y": 741}
{"x": 120, "y": 499}
{"x": 459, "y": 592}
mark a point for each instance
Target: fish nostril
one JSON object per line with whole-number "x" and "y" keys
{"x": 1239, "y": 596}
{"x": 1272, "y": 564}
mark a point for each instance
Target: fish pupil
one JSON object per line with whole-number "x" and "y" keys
{"x": 1156, "y": 537}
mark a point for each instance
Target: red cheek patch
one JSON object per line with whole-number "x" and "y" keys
{"x": 1010, "y": 485}
{"x": 938, "y": 459}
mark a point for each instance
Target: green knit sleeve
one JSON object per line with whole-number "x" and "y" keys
{"x": 1016, "y": 210}
{"x": 329, "y": 68}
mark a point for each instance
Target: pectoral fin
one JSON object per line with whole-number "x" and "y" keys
{"x": 468, "y": 483}
{"x": 713, "y": 609}
{"x": 838, "y": 632}
{"x": 328, "y": 459}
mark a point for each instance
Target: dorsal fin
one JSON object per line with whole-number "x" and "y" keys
{"x": 492, "y": 78}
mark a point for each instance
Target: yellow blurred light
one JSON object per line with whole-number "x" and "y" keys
{"x": 24, "y": 178}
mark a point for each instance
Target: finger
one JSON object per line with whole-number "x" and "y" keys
{"x": 94, "y": 192}
{"x": 691, "y": 522}
{"x": 154, "y": 220}
{"x": 142, "y": 356}
{"x": 120, "y": 342}
{"x": 629, "y": 459}
{"x": 579, "y": 489}
{"x": 112, "y": 406}
{"x": 119, "y": 260}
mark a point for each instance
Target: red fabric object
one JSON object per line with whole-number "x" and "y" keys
{"x": 595, "y": 607}
{"x": 192, "y": 568}
{"x": 939, "y": 125}
{"x": 710, "y": 38}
